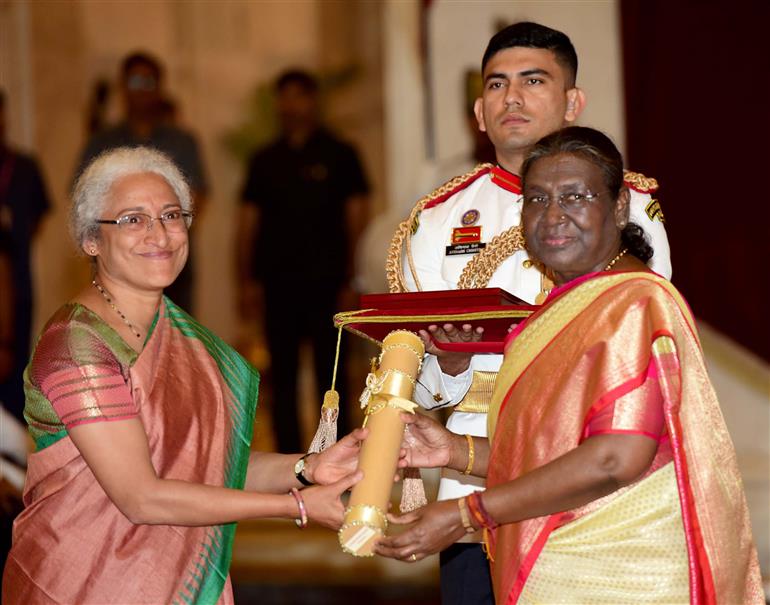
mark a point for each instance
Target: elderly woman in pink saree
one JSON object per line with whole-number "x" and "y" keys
{"x": 143, "y": 419}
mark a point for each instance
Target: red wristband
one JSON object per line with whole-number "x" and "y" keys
{"x": 479, "y": 512}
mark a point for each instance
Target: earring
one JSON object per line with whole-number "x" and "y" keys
{"x": 93, "y": 251}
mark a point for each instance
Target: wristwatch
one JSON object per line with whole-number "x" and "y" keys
{"x": 299, "y": 471}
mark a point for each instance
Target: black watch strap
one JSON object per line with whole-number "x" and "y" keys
{"x": 300, "y": 474}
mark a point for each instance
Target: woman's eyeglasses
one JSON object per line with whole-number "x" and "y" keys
{"x": 567, "y": 201}
{"x": 136, "y": 222}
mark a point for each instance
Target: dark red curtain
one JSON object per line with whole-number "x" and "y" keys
{"x": 697, "y": 83}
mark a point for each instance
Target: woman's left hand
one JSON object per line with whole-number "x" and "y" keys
{"x": 434, "y": 527}
{"x": 323, "y": 502}
{"x": 338, "y": 461}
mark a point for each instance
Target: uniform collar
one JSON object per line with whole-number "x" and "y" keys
{"x": 506, "y": 180}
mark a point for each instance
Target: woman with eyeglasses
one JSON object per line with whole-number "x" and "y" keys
{"x": 610, "y": 474}
{"x": 142, "y": 420}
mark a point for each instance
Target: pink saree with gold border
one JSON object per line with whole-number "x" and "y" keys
{"x": 681, "y": 533}
{"x": 196, "y": 398}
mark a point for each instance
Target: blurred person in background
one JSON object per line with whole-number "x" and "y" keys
{"x": 142, "y": 419}
{"x": 96, "y": 114}
{"x": 23, "y": 203}
{"x": 304, "y": 205}
{"x": 147, "y": 123}
{"x": 6, "y": 306}
{"x": 13, "y": 437}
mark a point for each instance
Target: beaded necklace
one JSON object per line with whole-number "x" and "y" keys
{"x": 620, "y": 255}
{"x": 108, "y": 298}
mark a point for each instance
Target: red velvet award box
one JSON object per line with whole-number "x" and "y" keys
{"x": 493, "y": 309}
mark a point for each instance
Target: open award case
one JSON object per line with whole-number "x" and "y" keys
{"x": 493, "y": 309}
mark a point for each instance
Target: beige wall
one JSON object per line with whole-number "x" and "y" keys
{"x": 215, "y": 53}
{"x": 459, "y": 34}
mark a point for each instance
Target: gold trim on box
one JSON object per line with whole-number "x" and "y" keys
{"x": 479, "y": 395}
{"x": 345, "y": 318}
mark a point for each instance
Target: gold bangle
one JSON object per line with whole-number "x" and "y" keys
{"x": 461, "y": 504}
{"x": 471, "y": 455}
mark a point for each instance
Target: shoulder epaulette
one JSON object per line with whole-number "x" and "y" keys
{"x": 638, "y": 182}
{"x": 401, "y": 237}
{"x": 448, "y": 189}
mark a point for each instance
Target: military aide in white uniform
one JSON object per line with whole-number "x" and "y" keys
{"x": 488, "y": 197}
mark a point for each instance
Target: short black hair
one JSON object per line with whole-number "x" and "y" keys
{"x": 304, "y": 79}
{"x": 533, "y": 35}
{"x": 141, "y": 58}
{"x": 597, "y": 148}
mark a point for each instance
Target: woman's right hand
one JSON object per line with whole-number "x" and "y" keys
{"x": 427, "y": 443}
{"x": 324, "y": 504}
{"x": 337, "y": 461}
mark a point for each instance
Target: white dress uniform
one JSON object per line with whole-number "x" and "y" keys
{"x": 495, "y": 195}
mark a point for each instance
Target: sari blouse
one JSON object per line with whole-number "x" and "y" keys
{"x": 79, "y": 373}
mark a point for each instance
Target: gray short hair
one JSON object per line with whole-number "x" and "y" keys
{"x": 95, "y": 182}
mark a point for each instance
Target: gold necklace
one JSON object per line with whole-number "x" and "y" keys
{"x": 544, "y": 291}
{"x": 620, "y": 255}
{"x": 107, "y": 297}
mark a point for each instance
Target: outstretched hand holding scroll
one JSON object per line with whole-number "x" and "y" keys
{"x": 429, "y": 444}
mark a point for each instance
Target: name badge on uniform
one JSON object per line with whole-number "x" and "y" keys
{"x": 465, "y": 240}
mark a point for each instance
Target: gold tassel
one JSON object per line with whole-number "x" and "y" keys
{"x": 412, "y": 487}
{"x": 486, "y": 544}
{"x": 412, "y": 491}
{"x": 326, "y": 434}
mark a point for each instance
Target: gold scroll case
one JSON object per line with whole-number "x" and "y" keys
{"x": 388, "y": 392}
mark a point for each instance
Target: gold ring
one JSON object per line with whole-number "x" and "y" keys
{"x": 413, "y": 557}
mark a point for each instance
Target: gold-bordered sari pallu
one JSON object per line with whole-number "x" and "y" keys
{"x": 196, "y": 399}
{"x": 679, "y": 534}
